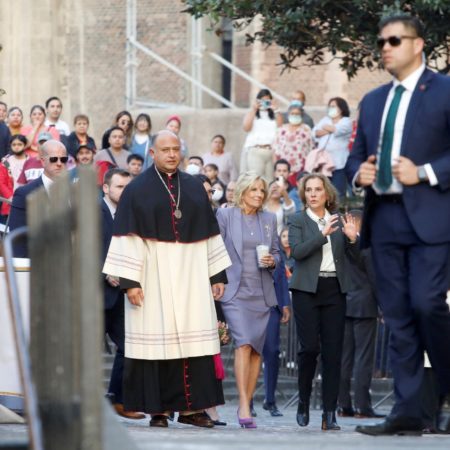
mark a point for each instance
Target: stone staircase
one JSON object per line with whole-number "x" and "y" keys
{"x": 286, "y": 389}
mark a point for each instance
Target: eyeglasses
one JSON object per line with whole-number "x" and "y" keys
{"x": 54, "y": 159}
{"x": 394, "y": 41}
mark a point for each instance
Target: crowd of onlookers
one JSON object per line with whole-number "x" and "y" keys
{"x": 272, "y": 135}
{"x": 280, "y": 146}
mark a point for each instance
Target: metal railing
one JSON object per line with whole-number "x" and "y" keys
{"x": 198, "y": 51}
{"x": 23, "y": 355}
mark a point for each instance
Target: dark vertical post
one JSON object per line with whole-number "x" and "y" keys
{"x": 52, "y": 315}
{"x": 86, "y": 276}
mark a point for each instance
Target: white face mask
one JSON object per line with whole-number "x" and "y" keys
{"x": 218, "y": 194}
{"x": 295, "y": 120}
{"x": 333, "y": 112}
{"x": 192, "y": 169}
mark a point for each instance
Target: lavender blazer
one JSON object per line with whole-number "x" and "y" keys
{"x": 230, "y": 223}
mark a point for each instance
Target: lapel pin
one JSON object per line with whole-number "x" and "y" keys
{"x": 422, "y": 87}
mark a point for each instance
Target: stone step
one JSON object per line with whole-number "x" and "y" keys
{"x": 286, "y": 388}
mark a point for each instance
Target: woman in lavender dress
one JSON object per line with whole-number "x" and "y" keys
{"x": 249, "y": 294}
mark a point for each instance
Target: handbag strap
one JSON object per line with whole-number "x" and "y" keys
{"x": 112, "y": 157}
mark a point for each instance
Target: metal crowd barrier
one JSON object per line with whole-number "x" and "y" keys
{"x": 289, "y": 348}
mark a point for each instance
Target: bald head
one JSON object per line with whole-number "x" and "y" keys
{"x": 164, "y": 133}
{"x": 53, "y": 158}
{"x": 166, "y": 151}
{"x": 52, "y": 144}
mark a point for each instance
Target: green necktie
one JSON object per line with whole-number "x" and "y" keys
{"x": 384, "y": 178}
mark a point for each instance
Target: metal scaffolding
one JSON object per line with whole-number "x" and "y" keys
{"x": 197, "y": 52}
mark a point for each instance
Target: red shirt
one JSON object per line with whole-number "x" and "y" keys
{"x": 6, "y": 189}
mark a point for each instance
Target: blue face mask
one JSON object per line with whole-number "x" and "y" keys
{"x": 297, "y": 103}
{"x": 333, "y": 112}
{"x": 294, "y": 119}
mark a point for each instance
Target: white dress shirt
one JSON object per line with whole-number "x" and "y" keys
{"x": 46, "y": 181}
{"x": 327, "y": 264}
{"x": 409, "y": 83}
{"x": 112, "y": 208}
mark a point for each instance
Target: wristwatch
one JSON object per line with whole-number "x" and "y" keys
{"x": 422, "y": 174}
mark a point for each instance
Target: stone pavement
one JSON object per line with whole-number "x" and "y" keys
{"x": 273, "y": 433}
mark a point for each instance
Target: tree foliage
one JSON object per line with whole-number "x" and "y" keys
{"x": 314, "y": 29}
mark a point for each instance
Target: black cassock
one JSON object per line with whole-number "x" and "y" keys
{"x": 148, "y": 211}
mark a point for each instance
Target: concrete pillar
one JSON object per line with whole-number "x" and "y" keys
{"x": 32, "y": 63}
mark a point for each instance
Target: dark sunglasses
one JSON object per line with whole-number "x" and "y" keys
{"x": 54, "y": 159}
{"x": 394, "y": 41}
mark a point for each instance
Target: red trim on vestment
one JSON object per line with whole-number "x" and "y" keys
{"x": 187, "y": 386}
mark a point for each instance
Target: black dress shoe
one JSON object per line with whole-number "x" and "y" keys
{"x": 402, "y": 426}
{"x": 345, "y": 412}
{"x": 367, "y": 414}
{"x": 329, "y": 422}
{"x": 159, "y": 420}
{"x": 198, "y": 420}
{"x": 217, "y": 422}
{"x": 303, "y": 414}
{"x": 273, "y": 409}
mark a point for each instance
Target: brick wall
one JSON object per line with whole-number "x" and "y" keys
{"x": 76, "y": 49}
{"x": 314, "y": 81}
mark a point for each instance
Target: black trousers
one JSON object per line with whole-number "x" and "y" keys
{"x": 115, "y": 329}
{"x": 357, "y": 359}
{"x": 320, "y": 320}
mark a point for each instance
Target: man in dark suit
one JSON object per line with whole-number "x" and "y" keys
{"x": 401, "y": 156}
{"x": 114, "y": 183}
{"x": 359, "y": 337}
{"x": 53, "y": 156}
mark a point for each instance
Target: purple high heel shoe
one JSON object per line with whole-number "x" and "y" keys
{"x": 246, "y": 422}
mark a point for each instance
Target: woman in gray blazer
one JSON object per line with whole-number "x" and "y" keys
{"x": 319, "y": 241}
{"x": 250, "y": 292}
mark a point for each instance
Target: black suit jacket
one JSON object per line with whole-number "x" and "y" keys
{"x": 306, "y": 242}
{"x": 4, "y": 139}
{"x": 18, "y": 214}
{"x": 426, "y": 139}
{"x": 111, "y": 294}
{"x": 361, "y": 300}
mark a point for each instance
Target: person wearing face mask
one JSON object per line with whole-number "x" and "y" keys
{"x": 218, "y": 194}
{"x": 294, "y": 141}
{"x": 261, "y": 126}
{"x": 333, "y": 133}
{"x": 195, "y": 165}
{"x": 298, "y": 99}
{"x": 15, "y": 160}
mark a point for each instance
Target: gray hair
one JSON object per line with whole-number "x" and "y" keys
{"x": 243, "y": 183}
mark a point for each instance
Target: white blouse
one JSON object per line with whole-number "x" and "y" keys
{"x": 263, "y": 131}
{"x": 327, "y": 264}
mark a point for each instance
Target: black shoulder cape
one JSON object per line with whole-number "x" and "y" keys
{"x": 146, "y": 209}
